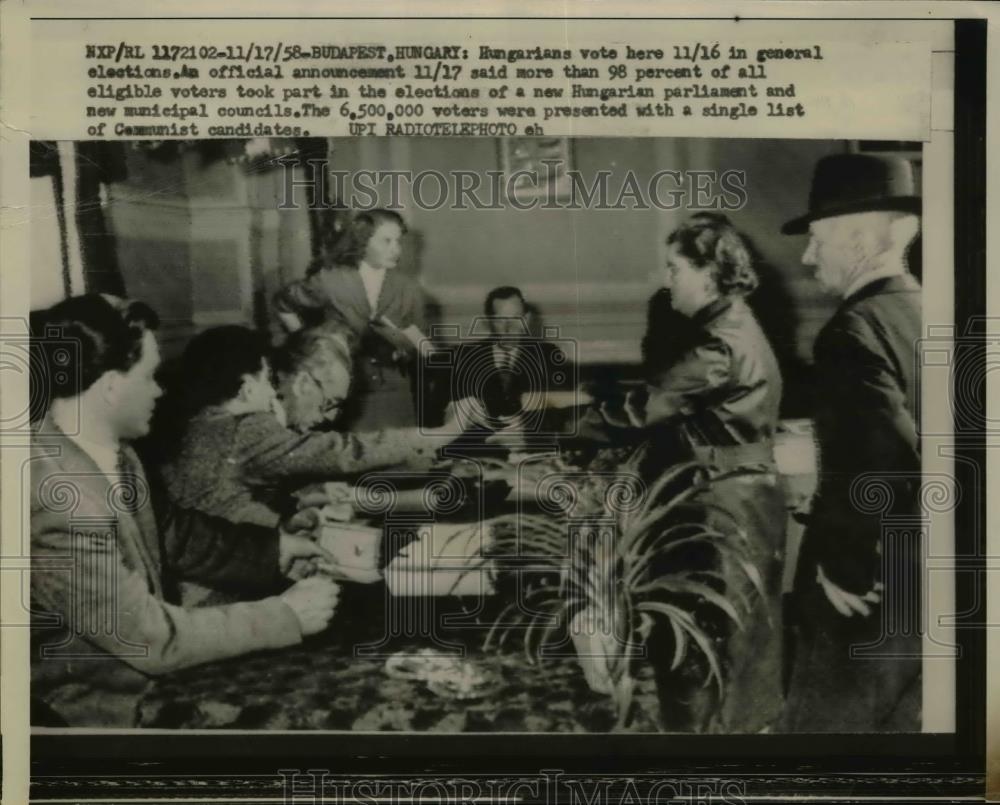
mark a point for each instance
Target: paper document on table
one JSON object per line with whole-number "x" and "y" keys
{"x": 445, "y": 559}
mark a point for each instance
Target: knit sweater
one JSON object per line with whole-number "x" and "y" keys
{"x": 233, "y": 465}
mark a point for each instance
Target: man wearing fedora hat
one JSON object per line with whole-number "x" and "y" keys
{"x": 857, "y": 660}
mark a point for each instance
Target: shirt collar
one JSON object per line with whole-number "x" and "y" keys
{"x": 873, "y": 276}
{"x": 372, "y": 279}
{"x": 712, "y": 310}
{"x": 369, "y": 269}
{"x": 104, "y": 455}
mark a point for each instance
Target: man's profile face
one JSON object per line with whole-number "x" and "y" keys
{"x": 315, "y": 395}
{"x": 133, "y": 394}
{"x": 508, "y": 318}
{"x": 844, "y": 247}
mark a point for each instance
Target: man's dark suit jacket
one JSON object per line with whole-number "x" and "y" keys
{"x": 539, "y": 366}
{"x": 866, "y": 426}
{"x": 870, "y": 465}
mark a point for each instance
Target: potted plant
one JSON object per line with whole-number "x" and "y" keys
{"x": 604, "y": 575}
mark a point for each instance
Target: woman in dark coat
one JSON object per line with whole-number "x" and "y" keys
{"x": 360, "y": 287}
{"x": 717, "y": 402}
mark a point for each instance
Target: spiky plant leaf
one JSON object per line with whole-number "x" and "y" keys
{"x": 670, "y": 476}
{"x": 686, "y": 622}
{"x": 603, "y": 574}
{"x": 682, "y": 583}
{"x": 501, "y": 626}
{"x": 680, "y": 644}
{"x": 638, "y": 566}
{"x": 752, "y": 573}
{"x": 736, "y": 590}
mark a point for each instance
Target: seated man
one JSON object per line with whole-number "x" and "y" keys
{"x": 241, "y": 448}
{"x": 108, "y": 551}
{"x": 509, "y": 370}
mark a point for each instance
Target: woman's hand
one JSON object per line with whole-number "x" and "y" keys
{"x": 848, "y": 604}
{"x": 278, "y": 409}
{"x": 612, "y": 418}
{"x": 636, "y": 412}
{"x": 465, "y": 415}
{"x": 634, "y": 417}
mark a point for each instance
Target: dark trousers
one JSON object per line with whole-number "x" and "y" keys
{"x": 850, "y": 674}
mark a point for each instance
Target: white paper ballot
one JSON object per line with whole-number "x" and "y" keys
{"x": 445, "y": 559}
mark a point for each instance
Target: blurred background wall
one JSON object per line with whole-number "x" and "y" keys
{"x": 197, "y": 231}
{"x": 588, "y": 270}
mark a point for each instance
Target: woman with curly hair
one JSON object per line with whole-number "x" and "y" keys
{"x": 358, "y": 286}
{"x": 726, "y": 387}
{"x": 716, "y": 402}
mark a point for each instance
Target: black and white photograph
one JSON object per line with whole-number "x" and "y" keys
{"x": 376, "y": 455}
{"x": 528, "y": 402}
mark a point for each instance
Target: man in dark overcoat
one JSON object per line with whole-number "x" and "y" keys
{"x": 857, "y": 665}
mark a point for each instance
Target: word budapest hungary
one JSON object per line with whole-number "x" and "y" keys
{"x": 295, "y": 88}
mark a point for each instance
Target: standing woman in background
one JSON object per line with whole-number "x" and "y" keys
{"x": 359, "y": 287}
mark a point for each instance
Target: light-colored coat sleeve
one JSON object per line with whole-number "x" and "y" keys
{"x": 81, "y": 575}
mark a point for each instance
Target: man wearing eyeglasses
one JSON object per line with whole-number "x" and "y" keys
{"x": 109, "y": 552}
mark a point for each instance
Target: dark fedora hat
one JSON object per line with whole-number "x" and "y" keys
{"x": 848, "y": 183}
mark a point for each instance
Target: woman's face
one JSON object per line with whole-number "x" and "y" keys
{"x": 384, "y": 247}
{"x": 691, "y": 288}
